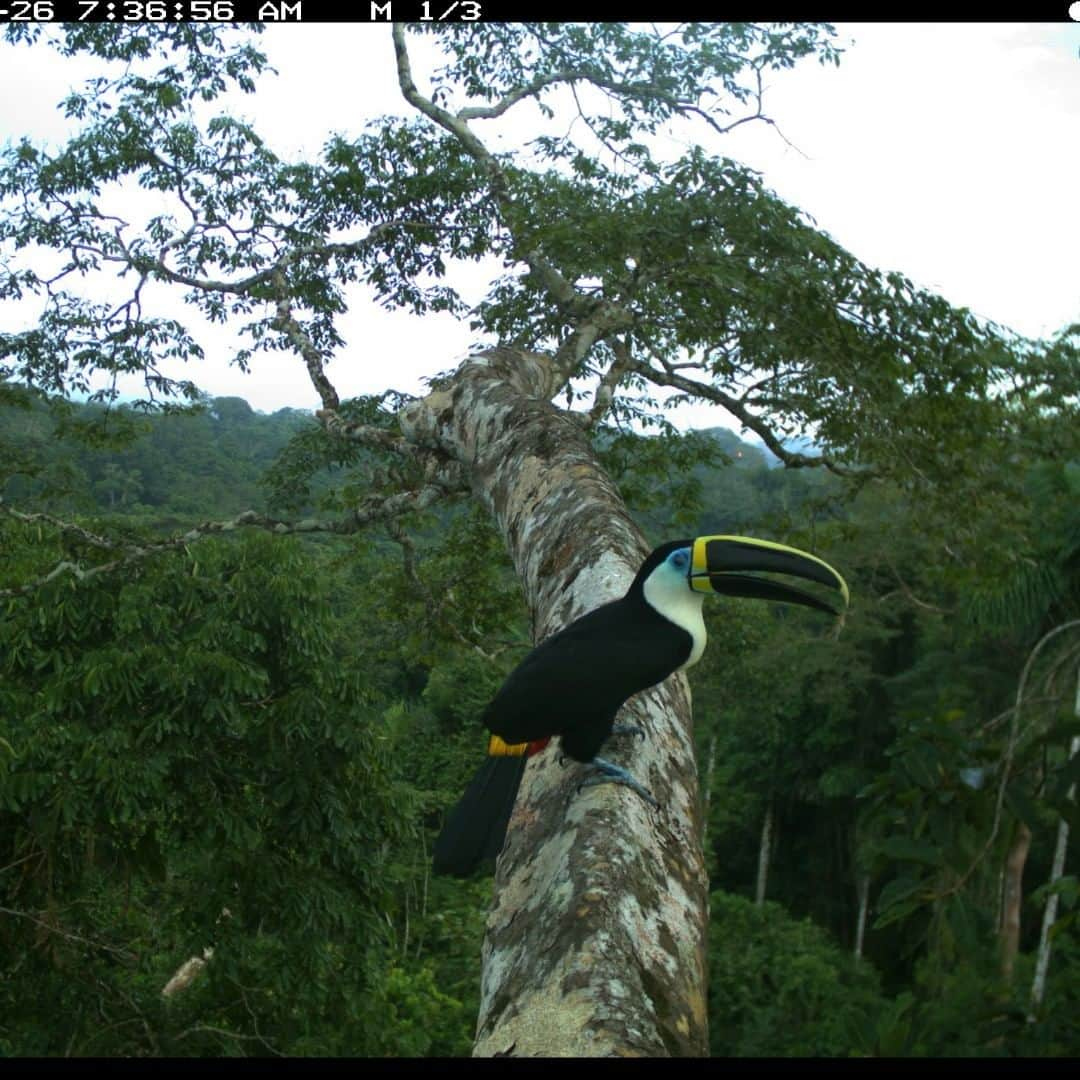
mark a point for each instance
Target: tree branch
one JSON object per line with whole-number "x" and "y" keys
{"x": 243, "y": 286}
{"x": 376, "y": 438}
{"x": 489, "y": 112}
{"x": 641, "y": 90}
{"x": 222, "y": 1033}
{"x": 604, "y": 319}
{"x": 377, "y": 508}
{"x": 1007, "y": 759}
{"x": 793, "y": 460}
{"x": 126, "y": 954}
{"x": 561, "y": 290}
{"x": 303, "y": 344}
{"x": 609, "y": 381}
{"x": 905, "y": 589}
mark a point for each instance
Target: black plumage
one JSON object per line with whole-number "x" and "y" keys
{"x": 573, "y": 684}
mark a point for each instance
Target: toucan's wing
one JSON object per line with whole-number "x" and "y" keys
{"x": 582, "y": 674}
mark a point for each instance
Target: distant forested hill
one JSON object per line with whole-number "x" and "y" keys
{"x": 162, "y": 466}
{"x": 211, "y": 464}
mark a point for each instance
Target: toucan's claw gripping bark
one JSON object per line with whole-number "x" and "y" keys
{"x": 607, "y": 772}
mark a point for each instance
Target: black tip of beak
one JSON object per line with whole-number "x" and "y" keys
{"x": 762, "y": 589}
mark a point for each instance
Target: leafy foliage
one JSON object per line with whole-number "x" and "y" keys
{"x": 786, "y": 990}
{"x": 194, "y": 743}
{"x": 865, "y": 769}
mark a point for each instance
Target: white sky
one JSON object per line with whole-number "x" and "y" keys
{"x": 948, "y": 152}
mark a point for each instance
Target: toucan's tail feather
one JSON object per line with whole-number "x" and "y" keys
{"x": 476, "y": 827}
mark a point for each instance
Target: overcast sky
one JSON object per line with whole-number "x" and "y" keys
{"x": 948, "y": 152}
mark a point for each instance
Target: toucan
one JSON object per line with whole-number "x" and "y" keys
{"x": 573, "y": 683}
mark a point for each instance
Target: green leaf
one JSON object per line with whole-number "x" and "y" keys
{"x": 906, "y": 849}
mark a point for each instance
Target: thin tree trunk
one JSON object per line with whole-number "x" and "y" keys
{"x": 595, "y": 942}
{"x": 999, "y": 911}
{"x": 1014, "y": 895}
{"x": 862, "y": 886}
{"x": 706, "y": 799}
{"x": 1042, "y": 963}
{"x": 764, "y": 853}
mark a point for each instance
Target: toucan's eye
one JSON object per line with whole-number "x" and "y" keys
{"x": 680, "y": 558}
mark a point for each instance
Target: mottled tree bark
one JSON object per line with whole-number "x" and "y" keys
{"x": 595, "y": 942}
{"x": 1014, "y": 895}
{"x": 707, "y": 789}
{"x": 1057, "y": 870}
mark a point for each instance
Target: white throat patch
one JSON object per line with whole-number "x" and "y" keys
{"x": 666, "y": 591}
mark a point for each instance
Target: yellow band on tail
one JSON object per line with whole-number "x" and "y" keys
{"x": 498, "y": 748}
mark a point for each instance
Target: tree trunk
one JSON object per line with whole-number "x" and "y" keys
{"x": 862, "y": 886}
{"x": 1057, "y": 869}
{"x": 999, "y": 910}
{"x": 596, "y": 939}
{"x": 706, "y": 797}
{"x": 764, "y": 853}
{"x": 1014, "y": 895}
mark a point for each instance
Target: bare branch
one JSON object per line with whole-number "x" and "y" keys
{"x": 561, "y": 290}
{"x": 85, "y": 535}
{"x": 640, "y": 90}
{"x": 669, "y": 377}
{"x": 303, "y": 344}
{"x": 377, "y": 508}
{"x": 604, "y": 319}
{"x": 52, "y": 928}
{"x": 435, "y": 604}
{"x": 385, "y": 508}
{"x": 905, "y": 589}
{"x": 439, "y": 470}
{"x": 222, "y": 1033}
{"x": 609, "y": 381}
{"x": 37, "y": 853}
{"x": 1007, "y": 714}
{"x": 365, "y": 434}
{"x": 753, "y": 388}
{"x": 1010, "y": 751}
{"x": 614, "y": 151}
{"x": 528, "y": 90}
{"x": 243, "y": 286}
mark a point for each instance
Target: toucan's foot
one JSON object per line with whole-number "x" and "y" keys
{"x": 607, "y": 772}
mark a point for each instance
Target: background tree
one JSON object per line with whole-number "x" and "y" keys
{"x": 626, "y": 273}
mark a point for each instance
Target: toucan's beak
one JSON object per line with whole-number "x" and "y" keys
{"x": 717, "y": 561}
